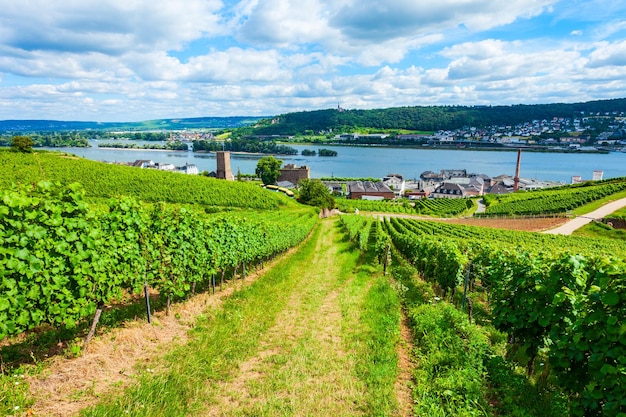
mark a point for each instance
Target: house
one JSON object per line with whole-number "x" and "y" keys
{"x": 293, "y": 173}
{"x": 500, "y": 188}
{"x": 335, "y": 187}
{"x": 363, "y": 190}
{"x": 453, "y": 173}
{"x": 143, "y": 163}
{"x": 190, "y": 169}
{"x": 164, "y": 166}
{"x": 475, "y": 187}
{"x": 417, "y": 195}
{"x": 450, "y": 190}
{"x": 395, "y": 182}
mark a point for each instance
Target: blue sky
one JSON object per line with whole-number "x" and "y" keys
{"x": 131, "y": 60}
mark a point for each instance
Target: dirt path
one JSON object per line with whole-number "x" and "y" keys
{"x": 580, "y": 221}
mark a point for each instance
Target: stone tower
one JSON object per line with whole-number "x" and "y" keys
{"x": 223, "y": 166}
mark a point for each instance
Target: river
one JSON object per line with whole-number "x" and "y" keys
{"x": 379, "y": 161}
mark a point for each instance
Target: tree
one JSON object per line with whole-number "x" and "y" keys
{"x": 22, "y": 143}
{"x": 315, "y": 193}
{"x": 268, "y": 169}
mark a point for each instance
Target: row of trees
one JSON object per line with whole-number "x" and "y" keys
{"x": 51, "y": 140}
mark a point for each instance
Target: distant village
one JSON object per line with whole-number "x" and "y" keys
{"x": 190, "y": 169}
{"x": 447, "y": 183}
{"x": 556, "y": 134}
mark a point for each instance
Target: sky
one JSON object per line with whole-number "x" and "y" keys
{"x": 134, "y": 60}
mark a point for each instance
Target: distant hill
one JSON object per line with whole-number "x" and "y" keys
{"x": 418, "y": 118}
{"x": 430, "y": 118}
{"x": 160, "y": 124}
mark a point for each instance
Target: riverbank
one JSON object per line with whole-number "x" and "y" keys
{"x": 503, "y": 148}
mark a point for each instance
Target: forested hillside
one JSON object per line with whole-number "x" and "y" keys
{"x": 428, "y": 118}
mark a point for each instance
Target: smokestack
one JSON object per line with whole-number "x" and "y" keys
{"x": 516, "y": 178}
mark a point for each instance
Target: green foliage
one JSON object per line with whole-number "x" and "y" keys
{"x": 22, "y": 144}
{"x": 48, "y": 258}
{"x": 326, "y": 152}
{"x": 449, "y": 378}
{"x": 358, "y": 228}
{"x": 562, "y": 305}
{"x": 268, "y": 169}
{"x": 313, "y": 192}
{"x": 426, "y": 118}
{"x": 443, "y": 207}
{"x": 381, "y": 206}
{"x": 171, "y": 145}
{"x": 59, "y": 259}
{"x": 53, "y": 139}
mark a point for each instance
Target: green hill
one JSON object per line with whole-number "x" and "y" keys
{"x": 429, "y": 118}
{"x": 102, "y": 180}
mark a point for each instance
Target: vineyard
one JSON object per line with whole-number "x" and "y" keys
{"x": 440, "y": 207}
{"x": 106, "y": 180}
{"x": 561, "y": 300}
{"x": 502, "y": 322}
{"x": 62, "y": 261}
{"x": 557, "y": 200}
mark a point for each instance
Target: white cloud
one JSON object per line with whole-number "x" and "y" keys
{"x": 106, "y": 26}
{"x": 140, "y": 59}
{"x": 375, "y": 21}
{"x": 608, "y": 54}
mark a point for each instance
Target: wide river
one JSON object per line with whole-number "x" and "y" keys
{"x": 379, "y": 161}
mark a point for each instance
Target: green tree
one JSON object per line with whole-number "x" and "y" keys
{"x": 22, "y": 144}
{"x": 315, "y": 193}
{"x": 268, "y": 169}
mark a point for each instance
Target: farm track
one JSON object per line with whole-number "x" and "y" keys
{"x": 301, "y": 364}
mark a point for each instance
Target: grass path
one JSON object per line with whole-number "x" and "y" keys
{"x": 315, "y": 336}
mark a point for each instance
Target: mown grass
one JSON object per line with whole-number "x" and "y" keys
{"x": 374, "y": 334}
{"x": 316, "y": 335}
